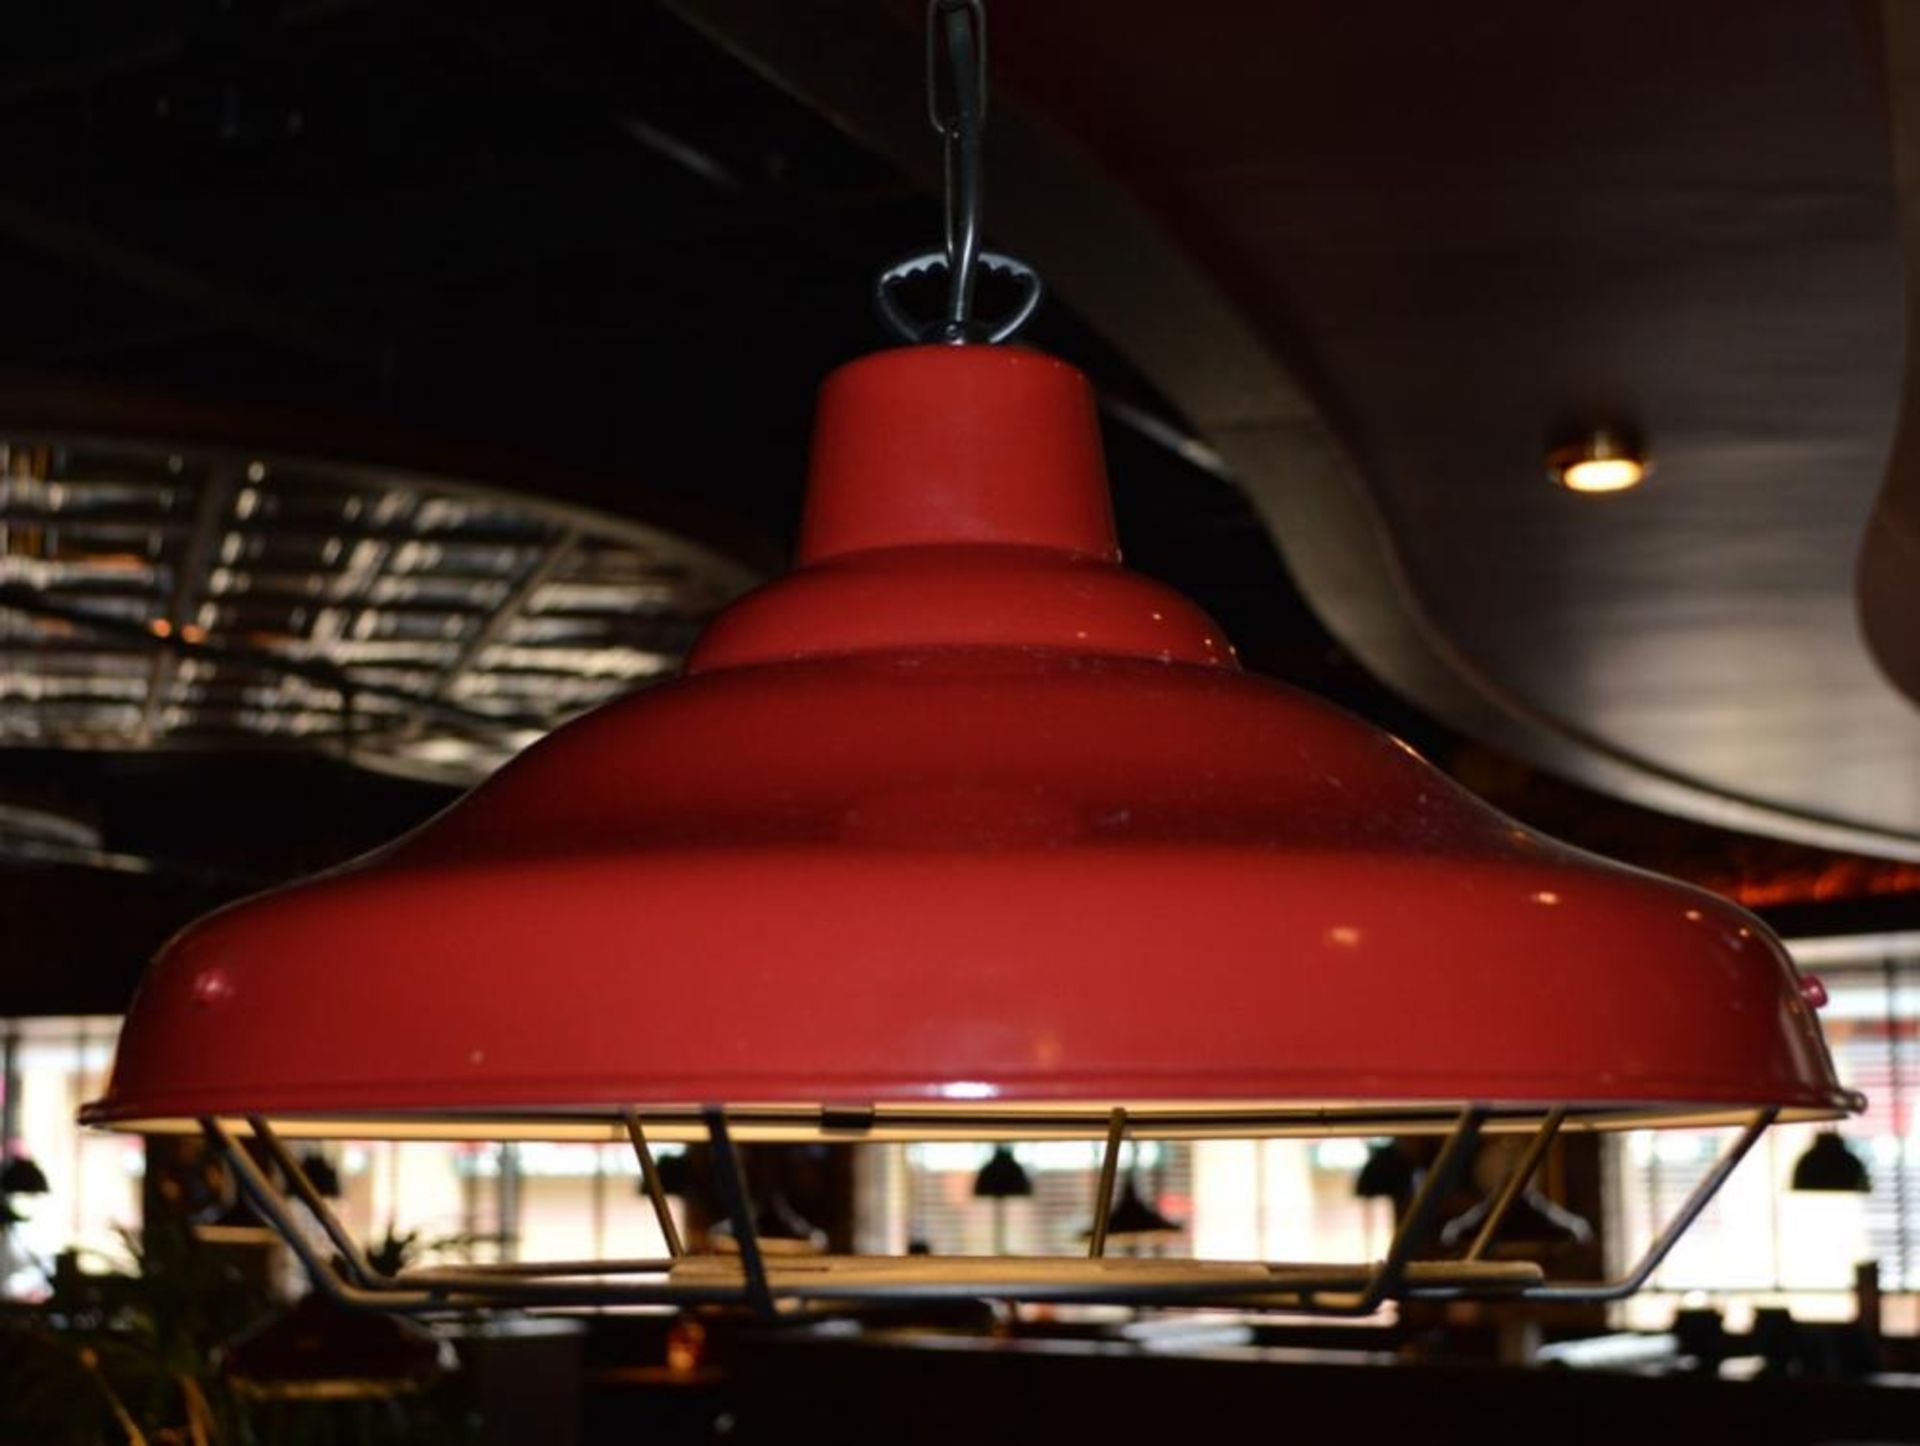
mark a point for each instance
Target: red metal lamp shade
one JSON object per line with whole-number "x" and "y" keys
{"x": 962, "y": 811}
{"x": 962, "y": 828}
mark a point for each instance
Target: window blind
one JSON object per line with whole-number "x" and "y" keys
{"x": 1761, "y": 1236}
{"x": 934, "y": 1202}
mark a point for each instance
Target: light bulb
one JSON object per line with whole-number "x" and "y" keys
{"x": 1600, "y": 461}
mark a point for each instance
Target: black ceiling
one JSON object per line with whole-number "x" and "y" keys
{"x": 579, "y": 231}
{"x": 1468, "y": 229}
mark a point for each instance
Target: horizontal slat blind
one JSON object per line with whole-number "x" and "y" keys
{"x": 935, "y": 1203}
{"x": 1762, "y": 1236}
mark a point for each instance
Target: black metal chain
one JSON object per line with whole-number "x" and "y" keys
{"x": 957, "y": 35}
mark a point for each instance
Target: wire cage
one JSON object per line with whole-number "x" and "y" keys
{"x": 747, "y": 1275}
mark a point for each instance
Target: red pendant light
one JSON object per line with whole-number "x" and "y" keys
{"x": 962, "y": 811}
{"x": 962, "y": 828}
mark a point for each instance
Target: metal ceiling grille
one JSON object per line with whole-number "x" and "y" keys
{"x": 163, "y": 598}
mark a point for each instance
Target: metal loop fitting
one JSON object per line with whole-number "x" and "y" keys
{"x": 957, "y": 30}
{"x": 964, "y": 328}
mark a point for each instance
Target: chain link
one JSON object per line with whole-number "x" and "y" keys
{"x": 957, "y": 110}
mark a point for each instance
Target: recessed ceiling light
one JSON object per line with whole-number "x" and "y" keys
{"x": 1602, "y": 460}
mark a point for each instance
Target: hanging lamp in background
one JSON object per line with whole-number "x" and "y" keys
{"x": 1389, "y": 1173}
{"x": 1134, "y": 1219}
{"x": 779, "y": 1228}
{"x": 1515, "y": 1208}
{"x": 1128, "y": 1219}
{"x": 674, "y": 1177}
{"x": 963, "y": 831}
{"x": 1829, "y": 1164}
{"x": 22, "y": 1175}
{"x": 1534, "y": 1219}
{"x": 323, "y": 1175}
{"x": 1001, "y": 1179}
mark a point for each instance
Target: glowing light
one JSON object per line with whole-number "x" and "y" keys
{"x": 1601, "y": 461}
{"x": 1603, "y": 474}
{"x": 967, "y": 1089}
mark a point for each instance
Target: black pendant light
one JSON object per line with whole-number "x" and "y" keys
{"x": 1132, "y": 1218}
{"x": 1388, "y": 1174}
{"x": 320, "y": 1170}
{"x": 1132, "y": 1215}
{"x": 315, "y": 1350}
{"x": 779, "y": 1228}
{"x": 1533, "y": 1219}
{"x": 1831, "y": 1165}
{"x": 676, "y": 1178}
{"x": 1002, "y": 1178}
{"x": 22, "y": 1176}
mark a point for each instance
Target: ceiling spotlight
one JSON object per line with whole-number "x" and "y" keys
{"x": 1604, "y": 459}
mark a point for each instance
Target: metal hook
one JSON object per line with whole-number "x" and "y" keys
{"x": 957, "y": 110}
{"x": 968, "y": 330}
